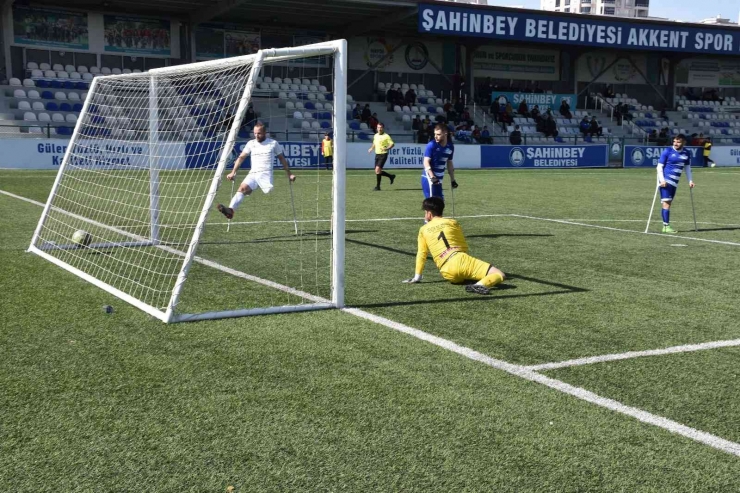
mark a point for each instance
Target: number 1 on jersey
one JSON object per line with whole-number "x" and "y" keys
{"x": 443, "y": 238}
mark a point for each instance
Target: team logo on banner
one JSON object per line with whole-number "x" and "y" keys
{"x": 377, "y": 49}
{"x": 417, "y": 55}
{"x": 516, "y": 156}
{"x": 616, "y": 149}
{"x": 638, "y": 156}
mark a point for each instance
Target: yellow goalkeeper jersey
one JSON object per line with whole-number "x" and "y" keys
{"x": 382, "y": 143}
{"x": 442, "y": 238}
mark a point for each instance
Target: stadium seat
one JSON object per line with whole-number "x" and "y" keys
{"x": 36, "y": 74}
{"x": 44, "y": 117}
{"x": 44, "y": 66}
{"x": 82, "y": 86}
{"x": 52, "y": 106}
{"x": 75, "y": 76}
{"x": 289, "y": 105}
{"x": 57, "y": 118}
{"x": 15, "y": 82}
{"x": 50, "y": 74}
{"x": 105, "y": 71}
{"x": 137, "y": 71}
{"x": 19, "y": 93}
{"x": 315, "y": 125}
{"x": 298, "y": 115}
{"x": 94, "y": 70}
{"x": 267, "y": 80}
{"x": 319, "y": 106}
{"x": 127, "y": 71}
{"x": 73, "y": 96}
{"x": 64, "y": 131}
{"x": 65, "y": 107}
{"x": 38, "y": 106}
{"x": 60, "y": 96}
{"x": 32, "y": 65}
{"x": 82, "y": 69}
{"x": 307, "y": 115}
{"x": 55, "y": 84}
{"x": 29, "y": 83}
{"x": 29, "y": 117}
{"x": 68, "y": 84}
{"x": 299, "y": 105}
{"x": 24, "y": 105}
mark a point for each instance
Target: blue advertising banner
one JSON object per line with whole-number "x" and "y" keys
{"x": 542, "y": 100}
{"x": 557, "y": 156}
{"x": 576, "y": 30}
{"x": 646, "y": 156}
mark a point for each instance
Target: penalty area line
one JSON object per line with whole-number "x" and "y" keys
{"x": 516, "y": 370}
{"x": 687, "y": 348}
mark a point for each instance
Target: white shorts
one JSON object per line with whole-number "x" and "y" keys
{"x": 263, "y": 181}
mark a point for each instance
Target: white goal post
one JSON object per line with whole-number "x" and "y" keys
{"x": 142, "y": 171}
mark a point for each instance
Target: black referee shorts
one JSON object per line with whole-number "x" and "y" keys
{"x": 380, "y": 160}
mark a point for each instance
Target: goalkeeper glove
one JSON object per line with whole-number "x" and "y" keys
{"x": 454, "y": 184}
{"x": 413, "y": 280}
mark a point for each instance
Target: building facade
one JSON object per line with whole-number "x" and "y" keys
{"x": 618, "y": 8}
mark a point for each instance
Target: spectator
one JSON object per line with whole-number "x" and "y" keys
{"x": 585, "y": 126}
{"x": 447, "y": 106}
{"x": 327, "y": 150}
{"x": 663, "y": 113}
{"x": 494, "y": 111}
{"x": 410, "y": 97}
{"x": 485, "y": 136}
{"x": 390, "y": 98}
{"x": 595, "y": 128}
{"x": 695, "y": 141}
{"x": 463, "y": 134}
{"x": 523, "y": 109}
{"x": 653, "y": 137}
{"x": 426, "y": 122}
{"x": 439, "y": 119}
{"x": 372, "y": 122}
{"x": 465, "y": 117}
{"x": 451, "y": 116}
{"x": 507, "y": 117}
{"x": 476, "y": 134}
{"x": 551, "y": 129}
{"x": 565, "y": 109}
{"x": 459, "y": 106}
{"x": 515, "y": 137}
{"x": 416, "y": 123}
{"x": 250, "y": 117}
{"x": 608, "y": 91}
{"x": 357, "y": 112}
{"x": 366, "y": 113}
{"x": 663, "y": 138}
{"x": 535, "y": 114}
{"x": 422, "y": 137}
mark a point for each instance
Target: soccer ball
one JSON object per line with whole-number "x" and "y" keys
{"x": 81, "y": 238}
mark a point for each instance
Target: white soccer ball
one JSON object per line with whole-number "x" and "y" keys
{"x": 81, "y": 238}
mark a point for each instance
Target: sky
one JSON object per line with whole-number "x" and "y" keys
{"x": 685, "y": 10}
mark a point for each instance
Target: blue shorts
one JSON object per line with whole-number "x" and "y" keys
{"x": 667, "y": 192}
{"x": 431, "y": 190}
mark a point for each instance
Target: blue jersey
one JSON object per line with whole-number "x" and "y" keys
{"x": 439, "y": 155}
{"x": 673, "y": 162}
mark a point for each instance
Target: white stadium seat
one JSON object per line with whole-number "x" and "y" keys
{"x": 82, "y": 69}
{"x": 44, "y": 66}
{"x": 127, "y": 71}
{"x": 73, "y": 96}
{"x": 289, "y": 105}
{"x": 60, "y": 96}
{"x": 62, "y": 75}
{"x": 57, "y": 67}
{"x": 15, "y": 82}
{"x": 75, "y": 76}
{"x": 29, "y": 117}
{"x": 94, "y": 70}
{"x": 24, "y": 105}
{"x": 38, "y": 106}
{"x": 307, "y": 115}
{"x": 32, "y": 65}
{"x": 298, "y": 115}
{"x": 69, "y": 68}
{"x": 50, "y": 74}
{"x": 36, "y": 74}
{"x": 105, "y": 71}
{"x": 19, "y": 93}
{"x": 57, "y": 118}
{"x": 87, "y": 76}
{"x": 44, "y": 117}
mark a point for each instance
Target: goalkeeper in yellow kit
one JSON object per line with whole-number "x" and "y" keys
{"x": 445, "y": 240}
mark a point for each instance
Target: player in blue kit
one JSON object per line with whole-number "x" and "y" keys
{"x": 438, "y": 155}
{"x": 672, "y": 163}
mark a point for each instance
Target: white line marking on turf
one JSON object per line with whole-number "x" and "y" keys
{"x": 517, "y": 370}
{"x": 373, "y": 219}
{"x": 622, "y": 230}
{"x": 635, "y": 354}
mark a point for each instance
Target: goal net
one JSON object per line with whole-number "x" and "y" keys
{"x": 133, "y": 208}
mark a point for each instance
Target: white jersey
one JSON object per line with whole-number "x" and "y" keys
{"x": 263, "y": 154}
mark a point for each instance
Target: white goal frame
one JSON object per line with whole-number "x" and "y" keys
{"x": 336, "y": 49}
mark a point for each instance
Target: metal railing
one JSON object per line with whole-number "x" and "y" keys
{"x": 24, "y": 130}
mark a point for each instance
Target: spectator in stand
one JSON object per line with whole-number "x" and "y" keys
{"x": 565, "y": 109}
{"x": 618, "y": 113}
{"x": 459, "y": 106}
{"x": 663, "y": 113}
{"x": 485, "y": 136}
{"x": 694, "y": 140}
{"x": 463, "y": 134}
{"x": 507, "y": 117}
{"x": 357, "y": 112}
{"x": 595, "y": 128}
{"x": 551, "y": 129}
{"x": 416, "y": 123}
{"x": 465, "y": 117}
{"x": 585, "y": 126}
{"x": 523, "y": 109}
{"x": 447, "y": 106}
{"x": 653, "y": 137}
{"x": 494, "y": 111}
{"x": 426, "y": 122}
{"x": 535, "y": 114}
{"x": 476, "y": 134}
{"x": 422, "y": 136}
{"x": 372, "y": 122}
{"x": 608, "y": 91}
{"x": 663, "y": 138}
{"x": 366, "y": 113}
{"x": 250, "y": 118}
{"x": 390, "y": 98}
{"x": 410, "y": 97}
{"x": 515, "y": 137}
{"x": 451, "y": 116}
{"x": 440, "y": 119}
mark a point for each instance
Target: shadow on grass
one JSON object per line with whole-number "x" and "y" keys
{"x": 505, "y": 235}
{"x": 325, "y": 234}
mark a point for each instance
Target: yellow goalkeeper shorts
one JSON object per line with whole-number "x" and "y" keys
{"x": 462, "y": 267}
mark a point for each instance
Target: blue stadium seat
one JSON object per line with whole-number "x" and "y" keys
{"x": 77, "y": 107}
{"x": 93, "y": 108}
{"x": 51, "y": 106}
{"x": 97, "y": 120}
{"x": 325, "y": 125}
{"x": 81, "y": 85}
{"x": 42, "y": 83}
{"x": 55, "y": 84}
{"x": 47, "y": 95}
{"x": 65, "y": 107}
{"x": 587, "y": 138}
{"x": 64, "y": 130}
{"x": 309, "y": 106}
{"x": 354, "y": 125}
{"x": 195, "y": 111}
{"x": 364, "y": 136}
{"x": 431, "y": 109}
{"x": 243, "y": 133}
{"x": 68, "y": 84}
{"x": 325, "y": 116}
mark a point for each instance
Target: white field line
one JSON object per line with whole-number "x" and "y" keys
{"x": 521, "y": 372}
{"x": 635, "y": 354}
{"x": 372, "y": 219}
{"x": 642, "y": 221}
{"x": 622, "y": 230}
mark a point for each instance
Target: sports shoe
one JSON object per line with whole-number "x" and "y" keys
{"x": 393, "y": 177}
{"x": 226, "y": 211}
{"x": 376, "y": 189}
{"x": 477, "y": 288}
{"x": 667, "y": 229}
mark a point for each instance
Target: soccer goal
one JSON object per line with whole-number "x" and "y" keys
{"x": 133, "y": 206}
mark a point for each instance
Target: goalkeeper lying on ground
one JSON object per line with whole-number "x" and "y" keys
{"x": 444, "y": 238}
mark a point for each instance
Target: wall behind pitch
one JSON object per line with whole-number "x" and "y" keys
{"x": 647, "y": 156}
{"x": 726, "y": 155}
{"x": 408, "y": 156}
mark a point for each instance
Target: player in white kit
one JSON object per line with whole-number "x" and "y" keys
{"x": 262, "y": 151}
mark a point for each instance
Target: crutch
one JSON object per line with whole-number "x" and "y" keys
{"x": 228, "y": 221}
{"x": 691, "y": 193}
{"x": 292, "y": 204}
{"x": 452, "y": 191}
{"x": 652, "y": 207}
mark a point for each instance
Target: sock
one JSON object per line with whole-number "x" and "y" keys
{"x": 378, "y": 177}
{"x": 666, "y": 215}
{"x": 491, "y": 280}
{"x": 236, "y": 200}
{"x": 385, "y": 174}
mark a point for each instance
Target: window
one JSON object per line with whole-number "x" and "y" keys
{"x": 566, "y": 9}
{"x": 642, "y": 3}
{"x": 586, "y": 2}
{"x": 608, "y": 10}
{"x": 585, "y": 10}
{"x": 557, "y": 3}
{"x": 642, "y": 13}
{"x": 567, "y": 3}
